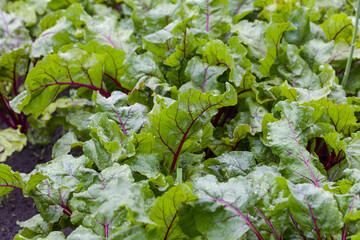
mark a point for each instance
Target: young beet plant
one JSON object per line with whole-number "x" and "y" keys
{"x": 10, "y": 85}
{"x": 14, "y": 66}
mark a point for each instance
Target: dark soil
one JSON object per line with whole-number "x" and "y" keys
{"x": 16, "y": 207}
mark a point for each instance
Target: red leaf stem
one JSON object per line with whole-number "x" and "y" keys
{"x": 297, "y": 227}
{"x": 313, "y": 180}
{"x": 237, "y": 11}
{"x": 172, "y": 221}
{"x": 177, "y": 153}
{"x": 247, "y": 221}
{"x": 117, "y": 83}
{"x": 11, "y": 186}
{"x": 13, "y": 119}
{"x": 67, "y": 211}
{"x": 343, "y": 237}
{"x": 10, "y": 124}
{"x": 106, "y": 228}
{"x": 268, "y": 223}
{"x": 102, "y": 91}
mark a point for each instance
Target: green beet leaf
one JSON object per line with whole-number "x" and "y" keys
{"x": 187, "y": 120}
{"x": 301, "y": 21}
{"x": 9, "y": 180}
{"x": 13, "y": 33}
{"x": 203, "y": 77}
{"x": 11, "y": 140}
{"x": 165, "y": 212}
{"x": 113, "y": 200}
{"x": 338, "y": 28}
{"x": 59, "y": 71}
{"x": 273, "y": 37}
{"x": 307, "y": 206}
{"x": 288, "y": 139}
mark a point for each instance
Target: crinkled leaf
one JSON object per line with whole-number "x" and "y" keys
{"x": 11, "y": 140}
{"x": 316, "y": 52}
{"x": 240, "y": 74}
{"x": 221, "y": 212}
{"x": 251, "y": 113}
{"x": 212, "y": 19}
{"x": 288, "y": 138}
{"x": 33, "y": 227}
{"x": 113, "y": 60}
{"x": 253, "y": 35}
{"x": 52, "y": 39}
{"x": 340, "y": 115}
{"x": 25, "y": 11}
{"x": 97, "y": 153}
{"x": 66, "y": 175}
{"x": 65, "y": 144}
{"x": 340, "y": 187}
{"x": 135, "y": 232}
{"x": 203, "y": 77}
{"x": 82, "y": 232}
{"x": 12, "y": 32}
{"x": 145, "y": 164}
{"x": 111, "y": 136}
{"x": 106, "y": 30}
{"x": 352, "y": 151}
{"x": 233, "y": 164}
{"x": 315, "y": 210}
{"x": 12, "y": 66}
{"x": 267, "y": 91}
{"x": 160, "y": 42}
{"x": 216, "y": 53}
{"x": 338, "y": 28}
{"x": 187, "y": 45}
{"x": 131, "y": 119}
{"x": 50, "y": 19}
{"x": 112, "y": 200}
{"x": 305, "y": 84}
{"x": 141, "y": 70}
{"x": 239, "y": 133}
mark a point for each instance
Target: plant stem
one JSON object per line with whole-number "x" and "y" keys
{"x": 247, "y": 221}
{"x": 11, "y": 186}
{"x": 348, "y": 64}
{"x": 12, "y": 118}
{"x": 67, "y": 211}
{"x": 8, "y": 123}
{"x": 268, "y": 223}
{"x": 218, "y": 116}
{"x": 297, "y": 227}
{"x": 106, "y": 228}
{"x": 343, "y": 237}
{"x": 117, "y": 83}
{"x": 177, "y": 153}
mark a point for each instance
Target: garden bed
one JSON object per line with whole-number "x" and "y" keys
{"x": 183, "y": 119}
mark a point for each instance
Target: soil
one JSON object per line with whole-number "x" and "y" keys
{"x": 15, "y": 207}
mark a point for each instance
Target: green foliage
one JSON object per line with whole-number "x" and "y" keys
{"x": 11, "y": 140}
{"x": 186, "y": 119}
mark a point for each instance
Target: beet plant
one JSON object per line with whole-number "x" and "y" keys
{"x": 193, "y": 119}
